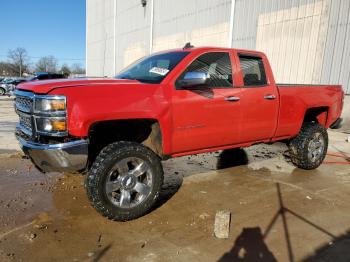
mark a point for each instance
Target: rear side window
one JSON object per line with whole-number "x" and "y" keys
{"x": 253, "y": 70}
{"x": 217, "y": 65}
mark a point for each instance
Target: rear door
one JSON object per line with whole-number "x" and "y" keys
{"x": 208, "y": 116}
{"x": 259, "y": 99}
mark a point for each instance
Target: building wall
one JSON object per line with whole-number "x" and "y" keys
{"x": 132, "y": 32}
{"x": 307, "y": 41}
{"x": 100, "y": 37}
{"x": 203, "y": 23}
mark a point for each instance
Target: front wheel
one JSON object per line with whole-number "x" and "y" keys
{"x": 124, "y": 181}
{"x": 309, "y": 148}
{"x": 2, "y": 91}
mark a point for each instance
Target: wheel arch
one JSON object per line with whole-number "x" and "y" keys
{"x": 146, "y": 131}
{"x": 317, "y": 114}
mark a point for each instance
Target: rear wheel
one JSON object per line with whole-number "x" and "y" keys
{"x": 2, "y": 91}
{"x": 124, "y": 181}
{"x": 309, "y": 148}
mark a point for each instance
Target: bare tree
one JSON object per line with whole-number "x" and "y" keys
{"x": 19, "y": 60}
{"x": 47, "y": 64}
{"x": 77, "y": 69}
{"x": 6, "y": 69}
{"x": 65, "y": 70}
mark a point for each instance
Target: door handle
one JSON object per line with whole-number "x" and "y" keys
{"x": 270, "y": 97}
{"x": 232, "y": 99}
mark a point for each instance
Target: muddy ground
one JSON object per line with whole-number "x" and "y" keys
{"x": 278, "y": 212}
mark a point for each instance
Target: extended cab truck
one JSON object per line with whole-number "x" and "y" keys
{"x": 170, "y": 104}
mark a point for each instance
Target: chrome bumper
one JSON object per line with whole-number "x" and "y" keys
{"x": 65, "y": 157}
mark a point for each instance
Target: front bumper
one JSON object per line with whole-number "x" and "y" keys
{"x": 65, "y": 157}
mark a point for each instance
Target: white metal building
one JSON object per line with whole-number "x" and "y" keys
{"x": 307, "y": 41}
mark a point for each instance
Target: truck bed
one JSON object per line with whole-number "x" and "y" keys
{"x": 302, "y": 85}
{"x": 296, "y": 99}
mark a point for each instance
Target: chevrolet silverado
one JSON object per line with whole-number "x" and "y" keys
{"x": 169, "y": 104}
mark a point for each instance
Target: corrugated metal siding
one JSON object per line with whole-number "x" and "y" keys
{"x": 100, "y": 37}
{"x": 117, "y": 35}
{"x": 307, "y": 41}
{"x": 132, "y": 32}
{"x": 336, "y": 67}
{"x": 175, "y": 23}
{"x": 204, "y": 22}
{"x": 286, "y": 30}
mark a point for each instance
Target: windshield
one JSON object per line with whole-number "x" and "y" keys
{"x": 152, "y": 69}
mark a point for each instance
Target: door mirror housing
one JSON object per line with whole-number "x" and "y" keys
{"x": 193, "y": 80}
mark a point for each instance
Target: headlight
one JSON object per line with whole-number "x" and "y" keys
{"x": 51, "y": 125}
{"x": 50, "y": 115}
{"x": 54, "y": 104}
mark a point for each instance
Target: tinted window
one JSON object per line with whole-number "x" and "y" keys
{"x": 42, "y": 77}
{"x": 55, "y": 76}
{"x": 216, "y": 65}
{"x": 152, "y": 69}
{"x": 253, "y": 70}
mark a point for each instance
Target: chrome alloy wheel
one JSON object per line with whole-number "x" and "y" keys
{"x": 316, "y": 147}
{"x": 129, "y": 182}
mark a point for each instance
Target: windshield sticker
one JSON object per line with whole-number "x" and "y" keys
{"x": 159, "y": 71}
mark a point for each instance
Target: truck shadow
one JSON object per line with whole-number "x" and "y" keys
{"x": 250, "y": 244}
{"x": 177, "y": 169}
{"x": 173, "y": 180}
{"x": 171, "y": 184}
{"x": 231, "y": 158}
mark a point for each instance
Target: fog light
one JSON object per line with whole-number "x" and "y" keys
{"x": 51, "y": 125}
{"x": 48, "y": 127}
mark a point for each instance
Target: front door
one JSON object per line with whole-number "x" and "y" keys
{"x": 207, "y": 116}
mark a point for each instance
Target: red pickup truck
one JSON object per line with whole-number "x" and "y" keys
{"x": 173, "y": 103}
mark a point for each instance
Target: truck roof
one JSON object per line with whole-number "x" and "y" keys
{"x": 210, "y": 48}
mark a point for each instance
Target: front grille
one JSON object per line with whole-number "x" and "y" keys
{"x": 24, "y": 103}
{"x": 25, "y": 123}
{"x": 24, "y": 107}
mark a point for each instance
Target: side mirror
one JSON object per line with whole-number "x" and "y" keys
{"x": 193, "y": 80}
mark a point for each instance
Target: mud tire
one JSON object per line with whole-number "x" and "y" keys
{"x": 299, "y": 146}
{"x": 96, "y": 177}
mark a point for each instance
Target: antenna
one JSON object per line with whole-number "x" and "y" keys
{"x": 188, "y": 45}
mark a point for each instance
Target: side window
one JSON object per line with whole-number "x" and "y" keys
{"x": 253, "y": 70}
{"x": 217, "y": 66}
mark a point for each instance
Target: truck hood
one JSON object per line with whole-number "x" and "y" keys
{"x": 44, "y": 87}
